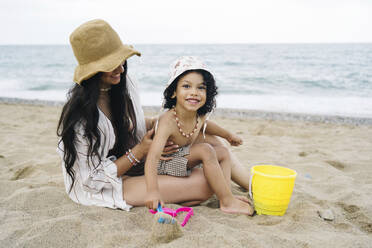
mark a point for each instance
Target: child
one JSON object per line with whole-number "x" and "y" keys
{"x": 190, "y": 96}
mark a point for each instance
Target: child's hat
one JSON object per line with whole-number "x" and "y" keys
{"x": 97, "y": 47}
{"x": 185, "y": 63}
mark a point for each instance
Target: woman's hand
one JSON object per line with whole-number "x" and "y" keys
{"x": 150, "y": 122}
{"x": 146, "y": 142}
{"x": 152, "y": 200}
{"x": 234, "y": 140}
{"x": 169, "y": 149}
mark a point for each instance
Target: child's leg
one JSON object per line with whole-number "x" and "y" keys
{"x": 206, "y": 154}
{"x": 224, "y": 159}
{"x": 239, "y": 174}
{"x": 226, "y": 162}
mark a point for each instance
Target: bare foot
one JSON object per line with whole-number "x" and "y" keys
{"x": 237, "y": 206}
{"x": 244, "y": 199}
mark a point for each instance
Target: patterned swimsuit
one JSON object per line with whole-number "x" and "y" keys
{"x": 178, "y": 165}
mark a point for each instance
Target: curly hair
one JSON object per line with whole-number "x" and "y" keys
{"x": 209, "y": 81}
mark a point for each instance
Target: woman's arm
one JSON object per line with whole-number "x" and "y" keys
{"x": 163, "y": 133}
{"x": 95, "y": 172}
{"x": 139, "y": 151}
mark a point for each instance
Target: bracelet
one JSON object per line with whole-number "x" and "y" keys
{"x": 132, "y": 163}
{"x": 132, "y": 159}
{"x": 131, "y": 153}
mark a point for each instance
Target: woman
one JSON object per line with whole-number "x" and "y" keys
{"x": 104, "y": 135}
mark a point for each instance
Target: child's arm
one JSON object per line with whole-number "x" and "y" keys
{"x": 153, "y": 196}
{"x": 214, "y": 129}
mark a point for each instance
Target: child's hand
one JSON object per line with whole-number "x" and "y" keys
{"x": 152, "y": 200}
{"x": 234, "y": 140}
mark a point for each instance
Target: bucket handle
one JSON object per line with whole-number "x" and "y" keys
{"x": 250, "y": 185}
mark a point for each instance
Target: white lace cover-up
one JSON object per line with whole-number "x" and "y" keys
{"x": 97, "y": 183}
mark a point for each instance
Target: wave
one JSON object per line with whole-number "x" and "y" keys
{"x": 279, "y": 76}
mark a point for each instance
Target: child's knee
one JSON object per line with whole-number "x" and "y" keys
{"x": 223, "y": 153}
{"x": 206, "y": 151}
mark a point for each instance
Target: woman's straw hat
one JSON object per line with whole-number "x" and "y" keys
{"x": 97, "y": 47}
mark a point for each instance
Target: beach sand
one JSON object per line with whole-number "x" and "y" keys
{"x": 333, "y": 161}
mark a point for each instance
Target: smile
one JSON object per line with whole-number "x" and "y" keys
{"x": 192, "y": 100}
{"x": 116, "y": 76}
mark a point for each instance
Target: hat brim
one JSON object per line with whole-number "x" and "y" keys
{"x": 171, "y": 80}
{"x": 105, "y": 64}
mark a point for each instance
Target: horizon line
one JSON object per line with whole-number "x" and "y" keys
{"x": 202, "y": 43}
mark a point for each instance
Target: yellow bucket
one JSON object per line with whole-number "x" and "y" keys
{"x": 272, "y": 187}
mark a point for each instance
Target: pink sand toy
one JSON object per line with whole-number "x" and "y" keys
{"x": 174, "y": 213}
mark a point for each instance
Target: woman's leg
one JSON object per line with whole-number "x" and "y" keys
{"x": 190, "y": 190}
{"x": 239, "y": 174}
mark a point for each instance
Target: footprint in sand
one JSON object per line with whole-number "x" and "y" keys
{"x": 302, "y": 154}
{"x": 353, "y": 214}
{"x": 349, "y": 208}
{"x": 270, "y": 222}
{"x": 312, "y": 152}
{"x": 22, "y": 173}
{"x": 260, "y": 130}
{"x": 212, "y": 202}
{"x": 338, "y": 165}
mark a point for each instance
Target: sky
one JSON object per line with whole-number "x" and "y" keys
{"x": 191, "y": 21}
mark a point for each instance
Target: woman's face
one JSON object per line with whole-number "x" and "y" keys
{"x": 112, "y": 77}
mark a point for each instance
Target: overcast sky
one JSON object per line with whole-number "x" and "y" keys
{"x": 190, "y": 21}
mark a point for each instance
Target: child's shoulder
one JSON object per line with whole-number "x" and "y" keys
{"x": 167, "y": 115}
{"x": 166, "y": 118}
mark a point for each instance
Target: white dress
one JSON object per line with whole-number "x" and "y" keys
{"x": 99, "y": 185}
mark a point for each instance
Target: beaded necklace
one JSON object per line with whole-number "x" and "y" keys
{"x": 187, "y": 135}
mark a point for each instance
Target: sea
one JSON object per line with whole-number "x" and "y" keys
{"x": 315, "y": 79}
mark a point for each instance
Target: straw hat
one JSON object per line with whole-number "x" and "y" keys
{"x": 185, "y": 63}
{"x": 97, "y": 47}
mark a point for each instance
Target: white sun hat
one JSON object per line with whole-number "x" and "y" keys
{"x": 185, "y": 63}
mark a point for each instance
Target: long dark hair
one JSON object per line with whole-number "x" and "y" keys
{"x": 209, "y": 81}
{"x": 81, "y": 108}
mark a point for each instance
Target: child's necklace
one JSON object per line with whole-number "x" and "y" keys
{"x": 187, "y": 135}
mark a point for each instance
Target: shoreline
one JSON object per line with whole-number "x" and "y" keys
{"x": 233, "y": 113}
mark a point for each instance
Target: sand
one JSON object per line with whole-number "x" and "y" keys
{"x": 333, "y": 161}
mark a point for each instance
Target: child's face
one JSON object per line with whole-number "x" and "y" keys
{"x": 191, "y": 91}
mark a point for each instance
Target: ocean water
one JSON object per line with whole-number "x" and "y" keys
{"x": 325, "y": 79}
